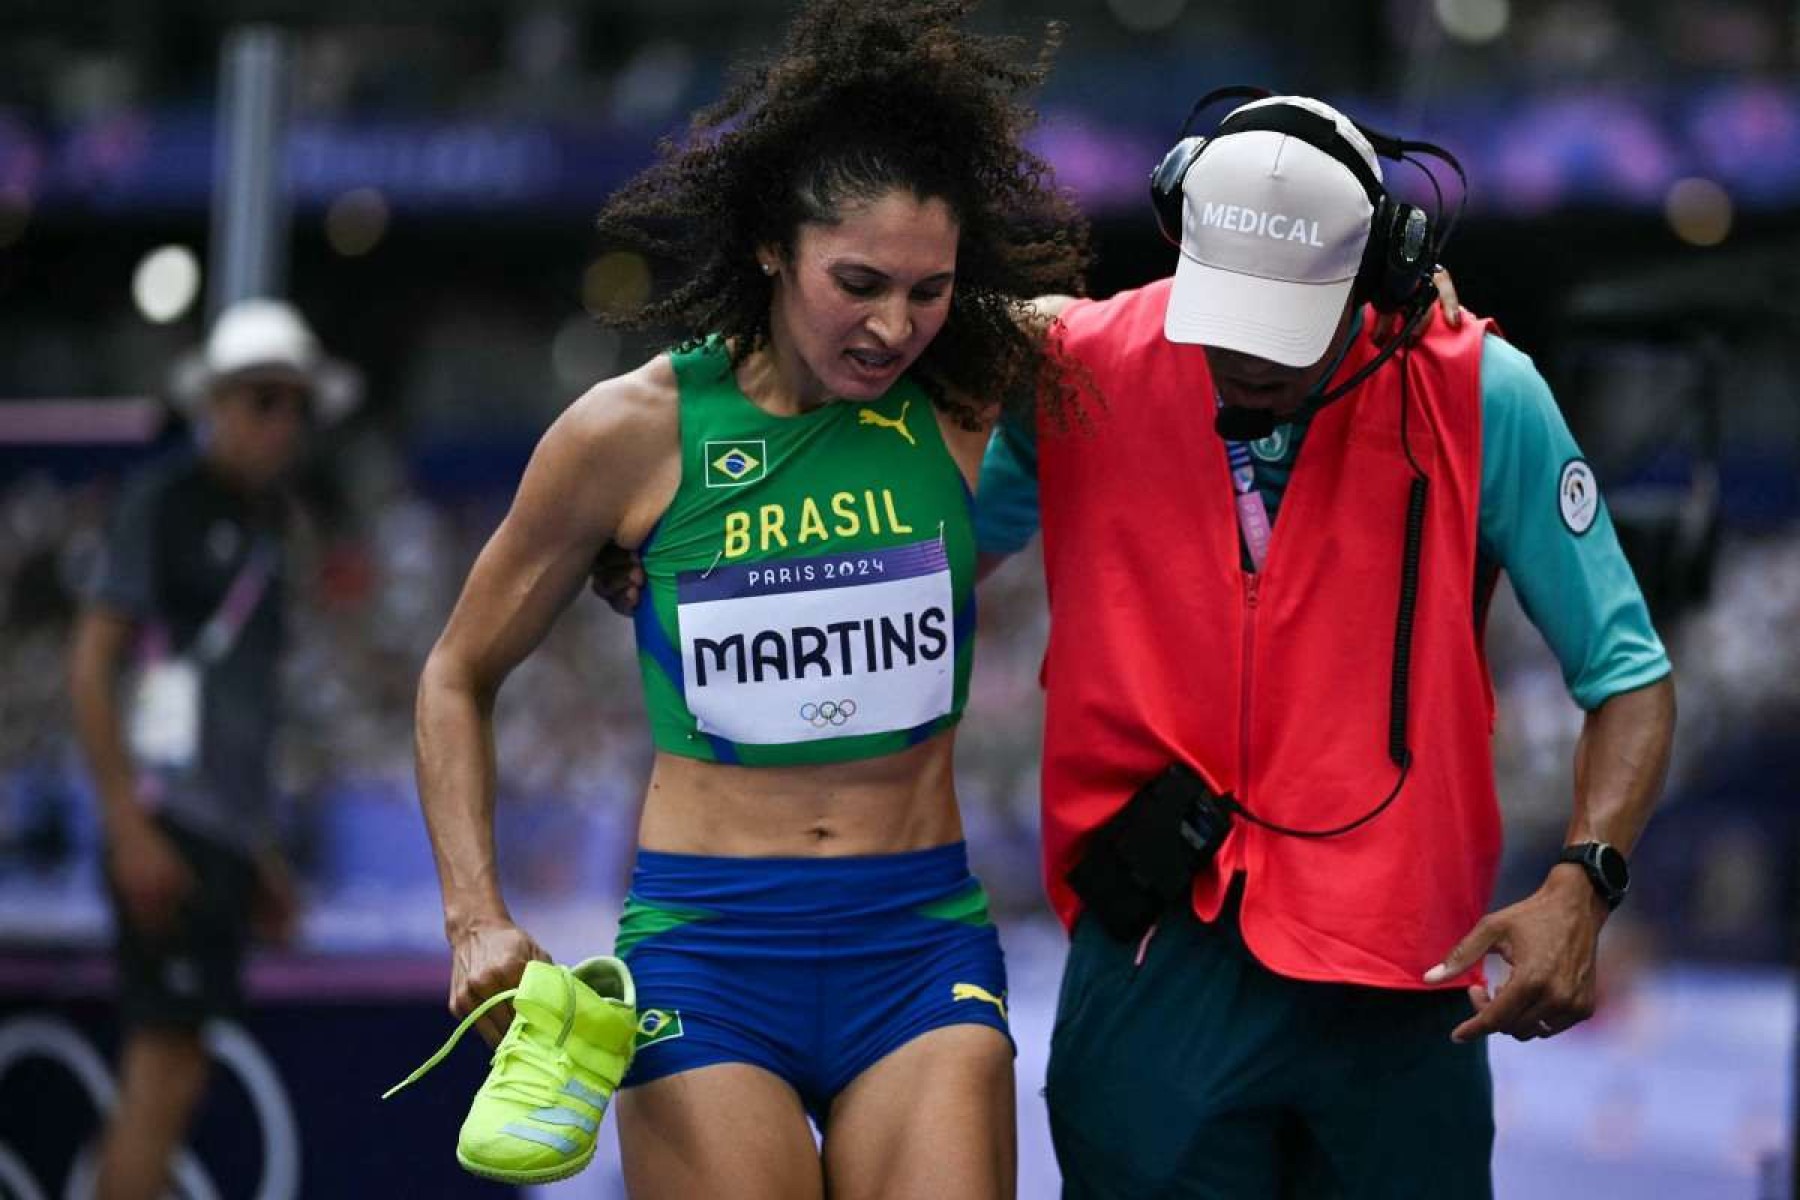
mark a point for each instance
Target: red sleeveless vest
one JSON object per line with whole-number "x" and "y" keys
{"x": 1274, "y": 686}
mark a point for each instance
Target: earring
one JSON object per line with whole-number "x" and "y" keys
{"x": 768, "y": 268}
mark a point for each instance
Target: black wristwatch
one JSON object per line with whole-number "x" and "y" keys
{"x": 1605, "y": 867}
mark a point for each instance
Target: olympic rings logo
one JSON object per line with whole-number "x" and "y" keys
{"x": 33, "y": 1036}
{"x": 830, "y": 712}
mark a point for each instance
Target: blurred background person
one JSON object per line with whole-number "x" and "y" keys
{"x": 1633, "y": 225}
{"x": 190, "y": 586}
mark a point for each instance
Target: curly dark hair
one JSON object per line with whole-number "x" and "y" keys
{"x": 867, "y": 96}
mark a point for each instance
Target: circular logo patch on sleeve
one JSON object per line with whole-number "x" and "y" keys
{"x": 1578, "y": 496}
{"x": 1273, "y": 448}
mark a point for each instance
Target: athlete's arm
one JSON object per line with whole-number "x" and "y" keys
{"x": 1006, "y": 502}
{"x": 603, "y": 470}
{"x": 1006, "y": 499}
{"x": 1572, "y": 579}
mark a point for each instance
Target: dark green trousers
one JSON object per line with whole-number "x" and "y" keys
{"x": 1201, "y": 1074}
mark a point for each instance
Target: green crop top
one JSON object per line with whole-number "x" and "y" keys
{"x": 810, "y": 590}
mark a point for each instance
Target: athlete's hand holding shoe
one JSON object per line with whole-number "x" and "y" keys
{"x": 488, "y": 956}
{"x": 554, "y": 1073}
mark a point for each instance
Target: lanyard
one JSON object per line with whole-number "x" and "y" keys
{"x": 1252, "y": 514}
{"x": 220, "y": 634}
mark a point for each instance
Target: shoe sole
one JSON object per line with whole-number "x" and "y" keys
{"x": 542, "y": 1175}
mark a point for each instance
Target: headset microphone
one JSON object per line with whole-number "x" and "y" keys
{"x": 1236, "y": 424}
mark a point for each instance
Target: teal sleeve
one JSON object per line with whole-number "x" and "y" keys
{"x": 1006, "y": 497}
{"x": 1572, "y": 581}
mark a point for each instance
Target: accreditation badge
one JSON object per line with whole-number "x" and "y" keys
{"x": 163, "y": 718}
{"x": 835, "y": 645}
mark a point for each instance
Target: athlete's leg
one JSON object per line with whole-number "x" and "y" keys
{"x": 162, "y": 1077}
{"x": 724, "y": 1130}
{"x": 933, "y": 1119}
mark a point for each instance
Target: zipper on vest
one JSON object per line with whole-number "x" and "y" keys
{"x": 1252, "y": 583}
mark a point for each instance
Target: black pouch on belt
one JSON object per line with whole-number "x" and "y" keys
{"x": 1143, "y": 860}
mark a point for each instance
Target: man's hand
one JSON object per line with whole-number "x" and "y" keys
{"x": 1550, "y": 939}
{"x": 152, "y": 878}
{"x": 485, "y": 959}
{"x": 617, "y": 577}
{"x": 275, "y": 907}
{"x": 1389, "y": 325}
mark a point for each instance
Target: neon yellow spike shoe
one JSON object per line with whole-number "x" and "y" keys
{"x": 552, "y": 1075}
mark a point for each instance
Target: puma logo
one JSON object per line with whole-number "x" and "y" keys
{"x": 974, "y": 991}
{"x": 869, "y": 416}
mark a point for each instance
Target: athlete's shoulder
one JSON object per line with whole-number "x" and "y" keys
{"x": 630, "y": 411}
{"x": 612, "y": 441}
{"x": 597, "y": 465}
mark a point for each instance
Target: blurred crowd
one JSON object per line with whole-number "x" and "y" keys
{"x": 639, "y": 64}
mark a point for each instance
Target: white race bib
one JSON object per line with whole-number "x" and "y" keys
{"x": 163, "y": 722}
{"x": 836, "y": 645}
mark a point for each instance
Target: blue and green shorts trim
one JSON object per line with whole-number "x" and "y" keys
{"x": 812, "y": 969}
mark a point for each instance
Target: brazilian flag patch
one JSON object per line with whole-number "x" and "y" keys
{"x": 657, "y": 1025}
{"x": 733, "y": 464}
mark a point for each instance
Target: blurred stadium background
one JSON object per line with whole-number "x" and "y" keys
{"x": 1634, "y": 223}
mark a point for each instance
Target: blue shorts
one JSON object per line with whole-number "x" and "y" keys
{"x": 810, "y": 968}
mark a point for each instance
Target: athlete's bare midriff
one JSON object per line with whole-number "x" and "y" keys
{"x": 885, "y": 805}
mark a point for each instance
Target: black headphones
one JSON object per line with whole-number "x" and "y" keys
{"x": 1405, "y": 243}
